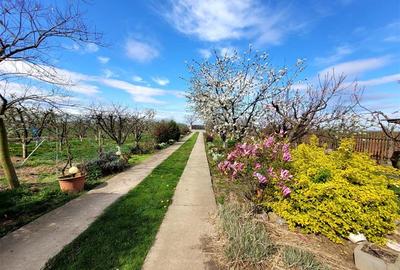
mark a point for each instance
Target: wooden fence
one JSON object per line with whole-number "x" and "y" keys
{"x": 376, "y": 144}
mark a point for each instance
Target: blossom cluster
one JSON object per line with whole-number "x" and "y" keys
{"x": 265, "y": 161}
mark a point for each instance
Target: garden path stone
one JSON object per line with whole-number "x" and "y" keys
{"x": 32, "y": 245}
{"x": 181, "y": 242}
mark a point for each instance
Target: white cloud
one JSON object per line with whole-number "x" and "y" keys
{"x": 205, "y": 53}
{"x": 140, "y": 51}
{"x": 227, "y": 51}
{"x": 103, "y": 59}
{"x": 160, "y": 81}
{"x": 137, "y": 78}
{"x": 84, "y": 84}
{"x": 91, "y": 48}
{"x": 339, "y": 53}
{"x": 217, "y": 20}
{"x": 381, "y": 80}
{"x": 357, "y": 67}
{"x": 140, "y": 93}
{"x": 108, "y": 73}
{"x": 87, "y": 48}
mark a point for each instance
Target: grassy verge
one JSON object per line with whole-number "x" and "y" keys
{"x": 28, "y": 202}
{"x": 122, "y": 236}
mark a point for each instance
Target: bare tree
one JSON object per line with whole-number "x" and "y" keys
{"x": 29, "y": 31}
{"x": 117, "y": 122}
{"x": 81, "y": 126}
{"x": 191, "y": 118}
{"x": 27, "y": 123}
{"x": 327, "y": 106}
{"x": 390, "y": 126}
{"x": 141, "y": 125}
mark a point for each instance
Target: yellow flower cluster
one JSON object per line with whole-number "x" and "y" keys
{"x": 340, "y": 192}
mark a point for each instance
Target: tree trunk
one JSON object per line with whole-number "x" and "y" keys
{"x": 24, "y": 150}
{"x": 5, "y": 159}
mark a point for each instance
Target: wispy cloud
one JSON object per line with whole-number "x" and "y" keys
{"x": 85, "y": 84}
{"x": 338, "y": 54}
{"x": 160, "y": 81}
{"x": 137, "y": 78}
{"x": 103, "y": 59}
{"x": 357, "y": 67}
{"x": 205, "y": 53}
{"x": 108, "y": 73}
{"x": 140, "y": 51}
{"x": 87, "y": 48}
{"x": 381, "y": 80}
{"x": 217, "y": 20}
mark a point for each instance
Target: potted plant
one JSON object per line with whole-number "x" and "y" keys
{"x": 74, "y": 180}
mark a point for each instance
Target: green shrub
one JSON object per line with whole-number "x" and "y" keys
{"x": 108, "y": 163}
{"x": 248, "y": 240}
{"x": 301, "y": 260}
{"x": 338, "y": 193}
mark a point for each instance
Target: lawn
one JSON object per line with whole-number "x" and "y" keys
{"x": 39, "y": 192}
{"x": 123, "y": 235}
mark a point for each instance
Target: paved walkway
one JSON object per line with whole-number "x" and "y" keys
{"x": 181, "y": 242}
{"x": 31, "y": 246}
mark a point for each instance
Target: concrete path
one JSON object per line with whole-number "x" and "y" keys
{"x": 181, "y": 242}
{"x": 31, "y": 246}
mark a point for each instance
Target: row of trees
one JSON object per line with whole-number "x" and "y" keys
{"x": 28, "y": 122}
{"x": 237, "y": 94}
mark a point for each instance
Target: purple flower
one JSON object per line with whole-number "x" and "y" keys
{"x": 285, "y": 190}
{"x": 224, "y": 165}
{"x": 286, "y": 152}
{"x": 257, "y": 166}
{"x": 261, "y": 178}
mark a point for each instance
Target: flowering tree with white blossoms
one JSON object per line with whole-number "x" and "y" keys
{"x": 229, "y": 91}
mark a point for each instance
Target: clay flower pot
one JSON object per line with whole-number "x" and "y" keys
{"x": 72, "y": 183}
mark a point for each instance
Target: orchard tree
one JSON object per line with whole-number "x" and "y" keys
{"x": 327, "y": 106}
{"x": 229, "y": 92}
{"x": 190, "y": 119}
{"x": 29, "y": 32}
{"x": 27, "y": 122}
{"x": 116, "y": 121}
{"x": 142, "y": 122}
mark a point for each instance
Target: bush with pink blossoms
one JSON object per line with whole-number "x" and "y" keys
{"x": 263, "y": 165}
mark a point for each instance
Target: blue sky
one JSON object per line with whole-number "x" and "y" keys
{"x": 148, "y": 42}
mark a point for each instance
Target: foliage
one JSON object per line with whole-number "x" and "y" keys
{"x": 338, "y": 193}
{"x": 165, "y": 131}
{"x": 209, "y": 137}
{"x": 301, "y": 260}
{"x": 262, "y": 164}
{"x": 247, "y": 240}
{"x": 108, "y": 163}
{"x": 123, "y": 235}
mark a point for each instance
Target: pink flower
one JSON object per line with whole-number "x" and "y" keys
{"x": 286, "y": 152}
{"x": 285, "y": 190}
{"x": 257, "y": 166}
{"x": 261, "y": 178}
{"x": 271, "y": 172}
{"x": 224, "y": 165}
{"x": 269, "y": 142}
{"x": 232, "y": 155}
{"x": 285, "y": 174}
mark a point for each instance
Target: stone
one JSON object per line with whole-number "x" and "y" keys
{"x": 366, "y": 261}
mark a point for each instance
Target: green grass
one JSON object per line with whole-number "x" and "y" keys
{"x": 24, "y": 204}
{"x": 122, "y": 236}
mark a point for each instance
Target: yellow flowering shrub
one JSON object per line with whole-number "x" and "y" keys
{"x": 340, "y": 192}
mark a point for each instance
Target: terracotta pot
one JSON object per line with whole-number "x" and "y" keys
{"x": 72, "y": 183}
